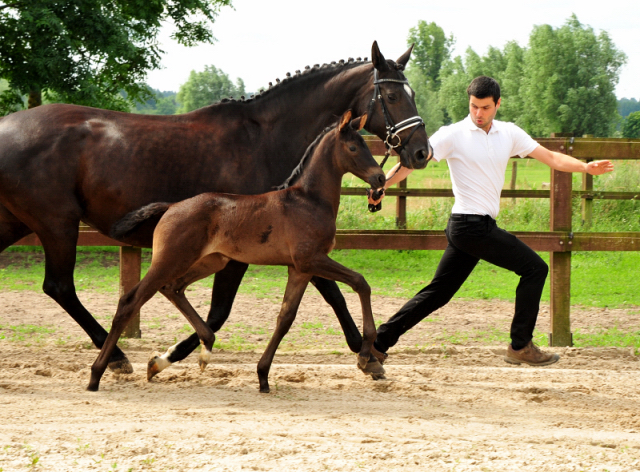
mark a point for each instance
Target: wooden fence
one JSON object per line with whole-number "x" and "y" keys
{"x": 560, "y": 241}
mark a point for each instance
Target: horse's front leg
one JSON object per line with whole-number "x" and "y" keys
{"x": 326, "y": 267}
{"x": 296, "y": 285}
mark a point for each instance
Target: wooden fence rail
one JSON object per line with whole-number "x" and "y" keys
{"x": 560, "y": 241}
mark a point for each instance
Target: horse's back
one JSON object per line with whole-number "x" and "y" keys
{"x": 108, "y": 163}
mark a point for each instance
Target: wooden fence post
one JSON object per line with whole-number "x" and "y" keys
{"x": 130, "y": 262}
{"x": 514, "y": 176}
{"x": 560, "y": 262}
{"x": 587, "y": 203}
{"x": 401, "y": 206}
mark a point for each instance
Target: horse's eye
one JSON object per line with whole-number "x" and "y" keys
{"x": 392, "y": 97}
{"x": 352, "y": 148}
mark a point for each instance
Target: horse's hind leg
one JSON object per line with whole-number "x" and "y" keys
{"x": 128, "y": 305}
{"x": 296, "y": 285}
{"x": 12, "y": 229}
{"x": 60, "y": 258}
{"x": 175, "y": 294}
{"x": 332, "y": 295}
{"x": 225, "y": 288}
{"x": 204, "y": 333}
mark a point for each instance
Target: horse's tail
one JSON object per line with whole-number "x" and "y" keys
{"x": 132, "y": 220}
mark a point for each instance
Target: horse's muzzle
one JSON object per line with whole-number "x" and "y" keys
{"x": 421, "y": 157}
{"x": 377, "y": 180}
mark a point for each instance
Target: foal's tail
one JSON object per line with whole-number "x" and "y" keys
{"x": 132, "y": 220}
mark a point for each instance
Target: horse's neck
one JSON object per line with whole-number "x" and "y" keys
{"x": 311, "y": 103}
{"x": 321, "y": 179}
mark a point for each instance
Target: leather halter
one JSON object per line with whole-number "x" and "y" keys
{"x": 393, "y": 140}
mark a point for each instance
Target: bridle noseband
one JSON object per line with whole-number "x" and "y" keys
{"x": 392, "y": 141}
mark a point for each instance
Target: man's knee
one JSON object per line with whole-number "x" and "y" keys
{"x": 538, "y": 271}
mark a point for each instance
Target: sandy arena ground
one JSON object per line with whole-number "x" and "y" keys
{"x": 449, "y": 401}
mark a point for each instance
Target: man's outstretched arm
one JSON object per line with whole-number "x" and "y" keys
{"x": 564, "y": 163}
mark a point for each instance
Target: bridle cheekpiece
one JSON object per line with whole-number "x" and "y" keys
{"x": 393, "y": 140}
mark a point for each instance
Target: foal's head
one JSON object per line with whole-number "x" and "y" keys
{"x": 351, "y": 153}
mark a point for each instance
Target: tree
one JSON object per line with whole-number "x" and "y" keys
{"x": 627, "y": 106}
{"x": 432, "y": 48}
{"x": 510, "y": 80}
{"x": 453, "y": 91}
{"x": 631, "y": 127}
{"x": 160, "y": 103}
{"x": 458, "y": 74}
{"x": 206, "y": 87}
{"x": 88, "y": 51}
{"x": 569, "y": 80}
{"x": 427, "y": 101}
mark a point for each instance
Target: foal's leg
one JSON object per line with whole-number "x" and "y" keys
{"x": 128, "y": 305}
{"x": 225, "y": 288}
{"x": 167, "y": 265}
{"x": 332, "y": 295}
{"x": 296, "y": 285}
{"x": 204, "y": 333}
{"x": 324, "y": 266}
{"x": 175, "y": 294}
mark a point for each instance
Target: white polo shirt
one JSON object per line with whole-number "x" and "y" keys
{"x": 478, "y": 161}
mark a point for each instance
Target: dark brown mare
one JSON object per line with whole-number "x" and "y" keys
{"x": 295, "y": 227}
{"x": 62, "y": 164}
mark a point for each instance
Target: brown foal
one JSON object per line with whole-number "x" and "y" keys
{"x": 294, "y": 226}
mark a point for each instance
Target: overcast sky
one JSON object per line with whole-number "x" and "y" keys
{"x": 261, "y": 40}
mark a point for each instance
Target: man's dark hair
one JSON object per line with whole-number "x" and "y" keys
{"x": 483, "y": 87}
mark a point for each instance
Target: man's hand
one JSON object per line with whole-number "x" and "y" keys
{"x": 375, "y": 198}
{"x": 599, "y": 167}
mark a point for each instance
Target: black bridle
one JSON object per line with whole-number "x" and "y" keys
{"x": 393, "y": 140}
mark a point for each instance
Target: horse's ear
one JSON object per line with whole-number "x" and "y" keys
{"x": 404, "y": 59}
{"x": 379, "y": 62}
{"x": 358, "y": 123}
{"x": 344, "y": 121}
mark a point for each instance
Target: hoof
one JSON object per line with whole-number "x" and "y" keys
{"x": 265, "y": 389}
{"x": 122, "y": 366}
{"x": 93, "y": 386}
{"x": 156, "y": 365}
{"x": 372, "y": 367}
{"x": 381, "y": 356}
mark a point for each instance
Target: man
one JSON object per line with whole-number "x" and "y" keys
{"x": 477, "y": 150}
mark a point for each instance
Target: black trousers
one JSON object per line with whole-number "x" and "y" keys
{"x": 471, "y": 238}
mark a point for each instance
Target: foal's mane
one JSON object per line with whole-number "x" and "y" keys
{"x": 297, "y": 172}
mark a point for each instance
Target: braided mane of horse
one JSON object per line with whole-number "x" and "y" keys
{"x": 348, "y": 64}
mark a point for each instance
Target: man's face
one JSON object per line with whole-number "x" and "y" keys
{"x": 483, "y": 111}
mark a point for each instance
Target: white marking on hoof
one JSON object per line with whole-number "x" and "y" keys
{"x": 162, "y": 362}
{"x": 205, "y": 357}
